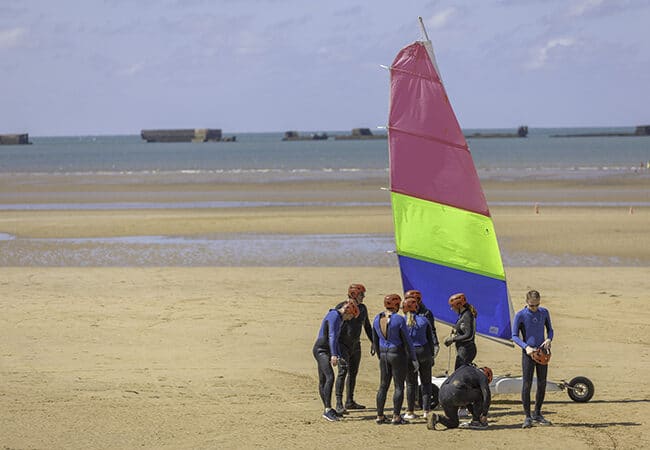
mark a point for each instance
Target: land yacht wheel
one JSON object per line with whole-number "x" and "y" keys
{"x": 580, "y": 389}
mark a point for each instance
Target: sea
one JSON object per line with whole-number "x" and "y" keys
{"x": 265, "y": 158}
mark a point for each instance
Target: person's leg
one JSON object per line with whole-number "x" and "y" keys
{"x": 340, "y": 379}
{"x": 385, "y": 375}
{"x": 426, "y": 362}
{"x": 541, "y": 387}
{"x": 399, "y": 364}
{"x": 325, "y": 377}
{"x": 411, "y": 388}
{"x": 353, "y": 369}
{"x": 527, "y": 366}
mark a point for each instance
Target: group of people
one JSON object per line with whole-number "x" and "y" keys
{"x": 406, "y": 346}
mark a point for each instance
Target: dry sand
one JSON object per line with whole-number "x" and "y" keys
{"x": 220, "y": 357}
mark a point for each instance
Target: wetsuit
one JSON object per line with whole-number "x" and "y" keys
{"x": 394, "y": 351}
{"x": 467, "y": 386}
{"x": 326, "y": 346}
{"x": 422, "y": 337}
{"x": 531, "y": 325}
{"x": 350, "y": 345}
{"x": 426, "y": 312}
{"x": 464, "y": 338}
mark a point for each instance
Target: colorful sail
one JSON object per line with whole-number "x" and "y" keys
{"x": 444, "y": 234}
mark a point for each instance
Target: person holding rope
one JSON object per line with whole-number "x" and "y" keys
{"x": 464, "y": 332}
{"x": 350, "y": 345}
{"x": 394, "y": 349}
{"x": 528, "y": 333}
{"x": 327, "y": 354}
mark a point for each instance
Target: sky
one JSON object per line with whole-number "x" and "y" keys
{"x": 118, "y": 66}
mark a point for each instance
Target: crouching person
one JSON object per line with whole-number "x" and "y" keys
{"x": 468, "y": 387}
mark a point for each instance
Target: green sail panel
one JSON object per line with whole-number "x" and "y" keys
{"x": 446, "y": 235}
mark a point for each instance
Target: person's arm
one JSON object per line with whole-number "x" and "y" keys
{"x": 375, "y": 339}
{"x": 334, "y": 324}
{"x": 516, "y": 324}
{"x": 366, "y": 325}
{"x": 487, "y": 396}
{"x": 549, "y": 330}
{"x": 432, "y": 321}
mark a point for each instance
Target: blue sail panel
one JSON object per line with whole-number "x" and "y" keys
{"x": 437, "y": 283}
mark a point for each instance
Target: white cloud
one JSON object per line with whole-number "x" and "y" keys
{"x": 131, "y": 70}
{"x": 585, "y": 6}
{"x": 541, "y": 55}
{"x": 440, "y": 19}
{"x": 12, "y": 38}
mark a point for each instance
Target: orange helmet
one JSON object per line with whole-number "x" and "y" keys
{"x": 392, "y": 301}
{"x": 488, "y": 373}
{"x": 417, "y": 295}
{"x": 410, "y": 304}
{"x": 351, "y": 308}
{"x": 357, "y": 288}
{"x": 355, "y": 293}
{"x": 457, "y": 300}
{"x": 541, "y": 356}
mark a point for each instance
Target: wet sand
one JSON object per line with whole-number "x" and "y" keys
{"x": 220, "y": 357}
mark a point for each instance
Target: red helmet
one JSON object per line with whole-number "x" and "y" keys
{"x": 541, "y": 356}
{"x": 488, "y": 373}
{"x": 392, "y": 301}
{"x": 417, "y": 295}
{"x": 410, "y": 304}
{"x": 351, "y": 308}
{"x": 355, "y": 293}
{"x": 457, "y": 300}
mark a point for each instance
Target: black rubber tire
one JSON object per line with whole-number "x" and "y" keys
{"x": 584, "y": 391}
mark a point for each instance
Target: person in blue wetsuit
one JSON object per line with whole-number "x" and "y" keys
{"x": 468, "y": 386}
{"x": 464, "y": 331}
{"x": 350, "y": 346}
{"x": 528, "y": 333}
{"x": 419, "y": 329}
{"x": 394, "y": 349}
{"x": 327, "y": 353}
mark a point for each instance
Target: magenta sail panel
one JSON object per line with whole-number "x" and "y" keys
{"x": 434, "y": 162}
{"x": 431, "y": 173}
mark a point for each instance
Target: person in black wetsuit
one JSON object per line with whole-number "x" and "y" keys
{"x": 464, "y": 331}
{"x": 327, "y": 354}
{"x": 394, "y": 349}
{"x": 467, "y": 386}
{"x": 350, "y": 346}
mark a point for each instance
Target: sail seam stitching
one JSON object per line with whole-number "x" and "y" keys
{"x": 424, "y": 77}
{"x": 431, "y": 138}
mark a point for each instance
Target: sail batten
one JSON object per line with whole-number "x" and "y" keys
{"x": 444, "y": 234}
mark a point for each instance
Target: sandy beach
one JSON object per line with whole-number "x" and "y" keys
{"x": 220, "y": 357}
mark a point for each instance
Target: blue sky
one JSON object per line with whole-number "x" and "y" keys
{"x": 117, "y": 66}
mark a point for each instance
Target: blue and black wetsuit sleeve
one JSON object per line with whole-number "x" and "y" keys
{"x": 549, "y": 327}
{"x": 375, "y": 338}
{"x": 517, "y": 330}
